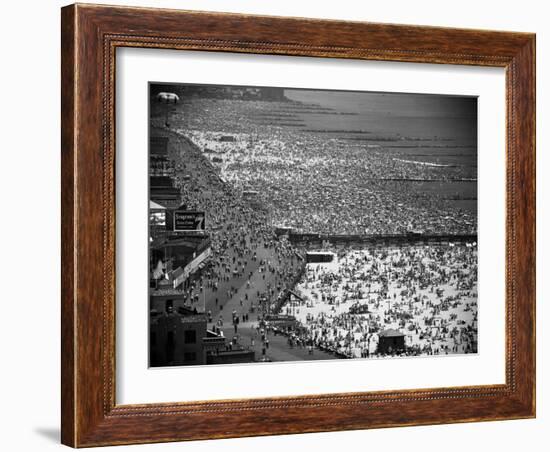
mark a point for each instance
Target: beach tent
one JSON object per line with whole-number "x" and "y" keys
{"x": 390, "y": 340}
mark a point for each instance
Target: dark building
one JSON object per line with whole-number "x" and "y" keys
{"x": 176, "y": 338}
{"x": 157, "y": 220}
{"x": 159, "y": 296}
{"x": 213, "y": 343}
{"x": 390, "y": 341}
{"x": 179, "y": 250}
{"x": 158, "y": 146}
{"x": 179, "y": 337}
{"x": 173, "y": 262}
{"x": 161, "y": 170}
{"x": 159, "y": 163}
{"x": 162, "y": 191}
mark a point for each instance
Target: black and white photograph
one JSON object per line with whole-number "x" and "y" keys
{"x": 292, "y": 224}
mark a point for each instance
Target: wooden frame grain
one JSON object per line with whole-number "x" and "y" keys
{"x": 90, "y": 35}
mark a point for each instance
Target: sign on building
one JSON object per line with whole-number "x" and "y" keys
{"x": 189, "y": 221}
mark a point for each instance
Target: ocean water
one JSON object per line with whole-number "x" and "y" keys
{"x": 418, "y": 129}
{"x": 415, "y": 115}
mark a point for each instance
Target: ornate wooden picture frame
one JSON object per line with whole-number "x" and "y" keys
{"x": 90, "y": 37}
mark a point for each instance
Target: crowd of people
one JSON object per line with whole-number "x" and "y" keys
{"x": 251, "y": 176}
{"x": 242, "y": 242}
{"x": 321, "y": 183}
{"x": 427, "y": 292}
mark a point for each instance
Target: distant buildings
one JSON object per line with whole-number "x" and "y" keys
{"x": 176, "y": 337}
{"x": 173, "y": 262}
{"x": 179, "y": 248}
{"x": 157, "y": 219}
{"x": 173, "y": 256}
{"x": 159, "y": 164}
{"x": 181, "y": 338}
{"x": 163, "y": 192}
{"x": 222, "y": 92}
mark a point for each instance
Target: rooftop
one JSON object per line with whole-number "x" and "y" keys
{"x": 390, "y": 333}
